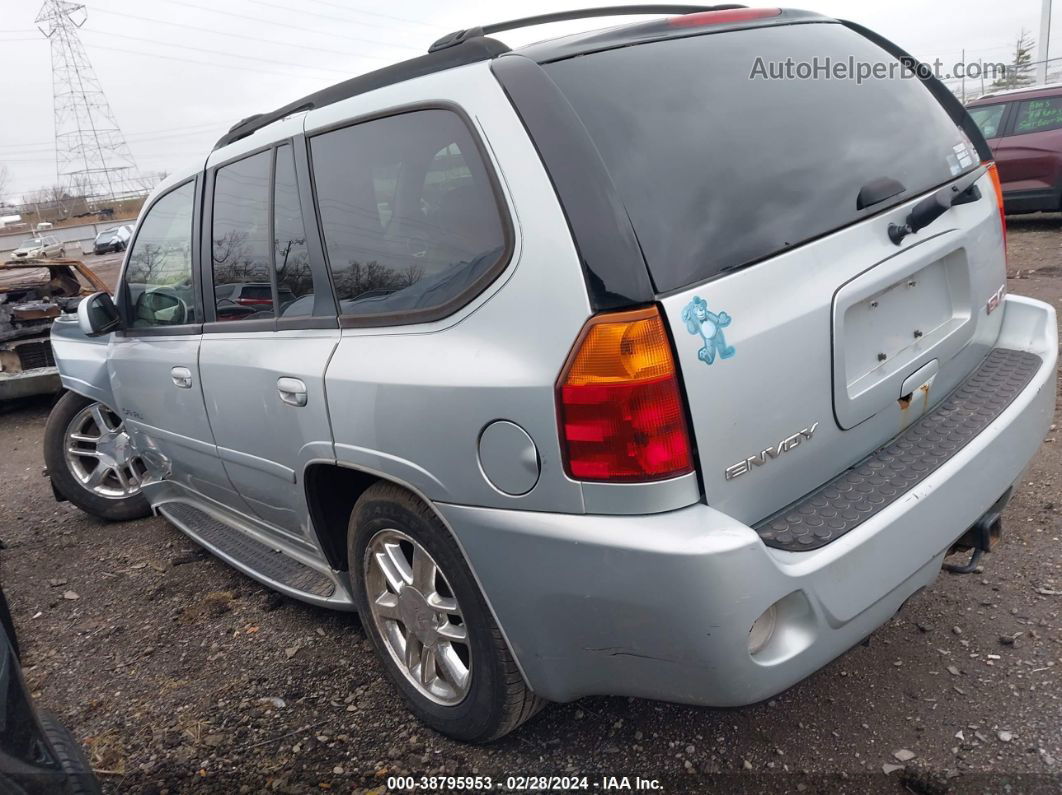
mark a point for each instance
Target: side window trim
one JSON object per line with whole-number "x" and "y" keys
{"x": 211, "y": 324}
{"x": 498, "y": 195}
{"x": 324, "y": 315}
{"x": 125, "y": 306}
{"x": 325, "y": 308}
{"x": 1006, "y": 124}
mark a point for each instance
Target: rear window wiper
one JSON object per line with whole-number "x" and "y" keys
{"x": 962, "y": 191}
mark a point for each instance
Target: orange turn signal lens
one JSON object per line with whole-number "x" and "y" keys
{"x": 624, "y": 346}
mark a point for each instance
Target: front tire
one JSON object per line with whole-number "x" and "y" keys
{"x": 428, "y": 621}
{"x": 91, "y": 461}
{"x": 80, "y": 778}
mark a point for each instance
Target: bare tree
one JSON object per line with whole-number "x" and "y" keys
{"x": 81, "y": 185}
{"x": 4, "y": 177}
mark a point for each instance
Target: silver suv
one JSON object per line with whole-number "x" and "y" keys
{"x": 609, "y": 365}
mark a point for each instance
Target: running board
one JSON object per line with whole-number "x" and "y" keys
{"x": 261, "y": 561}
{"x": 888, "y": 473}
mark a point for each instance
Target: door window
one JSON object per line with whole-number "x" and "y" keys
{"x": 291, "y": 257}
{"x": 241, "y": 250}
{"x": 989, "y": 119}
{"x": 158, "y": 277}
{"x": 411, "y": 224}
{"x": 1039, "y": 115}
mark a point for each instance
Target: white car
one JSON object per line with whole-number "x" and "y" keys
{"x": 39, "y": 247}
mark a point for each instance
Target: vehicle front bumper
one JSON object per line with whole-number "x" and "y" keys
{"x": 660, "y": 606}
{"x": 41, "y": 381}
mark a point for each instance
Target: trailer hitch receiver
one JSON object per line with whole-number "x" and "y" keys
{"x": 985, "y": 532}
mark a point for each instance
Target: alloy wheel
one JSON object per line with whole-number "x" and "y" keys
{"x": 100, "y": 454}
{"x": 418, "y": 617}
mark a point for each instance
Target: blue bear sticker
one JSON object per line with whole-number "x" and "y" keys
{"x": 709, "y": 327}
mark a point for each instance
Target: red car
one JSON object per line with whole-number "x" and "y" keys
{"x": 1024, "y": 129}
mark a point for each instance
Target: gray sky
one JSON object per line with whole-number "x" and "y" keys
{"x": 178, "y": 73}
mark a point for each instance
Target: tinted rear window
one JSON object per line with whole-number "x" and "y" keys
{"x": 718, "y": 169}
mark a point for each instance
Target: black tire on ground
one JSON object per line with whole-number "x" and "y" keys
{"x": 80, "y": 778}
{"x": 62, "y": 253}
{"x": 498, "y": 700}
{"x": 114, "y": 510}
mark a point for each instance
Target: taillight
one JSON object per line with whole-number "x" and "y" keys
{"x": 622, "y": 417}
{"x": 725, "y": 17}
{"x": 993, "y": 172}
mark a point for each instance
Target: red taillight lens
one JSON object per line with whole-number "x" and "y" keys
{"x": 993, "y": 172}
{"x": 622, "y": 417}
{"x": 726, "y": 17}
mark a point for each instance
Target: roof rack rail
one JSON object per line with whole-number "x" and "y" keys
{"x": 459, "y": 36}
{"x": 480, "y": 49}
{"x": 456, "y": 49}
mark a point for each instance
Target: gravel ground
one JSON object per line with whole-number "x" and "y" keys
{"x": 178, "y": 673}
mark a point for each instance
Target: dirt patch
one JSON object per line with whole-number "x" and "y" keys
{"x": 177, "y": 672}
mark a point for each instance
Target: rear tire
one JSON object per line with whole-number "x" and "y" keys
{"x": 493, "y": 699}
{"x": 69, "y": 473}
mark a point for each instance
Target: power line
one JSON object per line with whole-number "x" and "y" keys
{"x": 371, "y": 14}
{"x": 254, "y": 69}
{"x": 197, "y": 146}
{"x": 289, "y": 26}
{"x": 143, "y": 134}
{"x": 255, "y": 39}
{"x": 332, "y": 16}
{"x": 38, "y": 150}
{"x": 222, "y": 54}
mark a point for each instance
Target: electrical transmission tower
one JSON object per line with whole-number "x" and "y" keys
{"x": 92, "y": 158}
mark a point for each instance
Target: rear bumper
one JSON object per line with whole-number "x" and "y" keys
{"x": 660, "y": 606}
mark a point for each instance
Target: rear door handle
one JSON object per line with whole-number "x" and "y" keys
{"x": 292, "y": 391}
{"x": 182, "y": 377}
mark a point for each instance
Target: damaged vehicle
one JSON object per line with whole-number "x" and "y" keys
{"x": 33, "y": 293}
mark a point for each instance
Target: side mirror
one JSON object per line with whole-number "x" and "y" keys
{"x": 97, "y": 315}
{"x": 161, "y": 307}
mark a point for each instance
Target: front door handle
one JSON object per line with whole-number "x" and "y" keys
{"x": 292, "y": 391}
{"x": 182, "y": 377}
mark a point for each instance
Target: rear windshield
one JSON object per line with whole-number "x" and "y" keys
{"x": 719, "y": 167}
